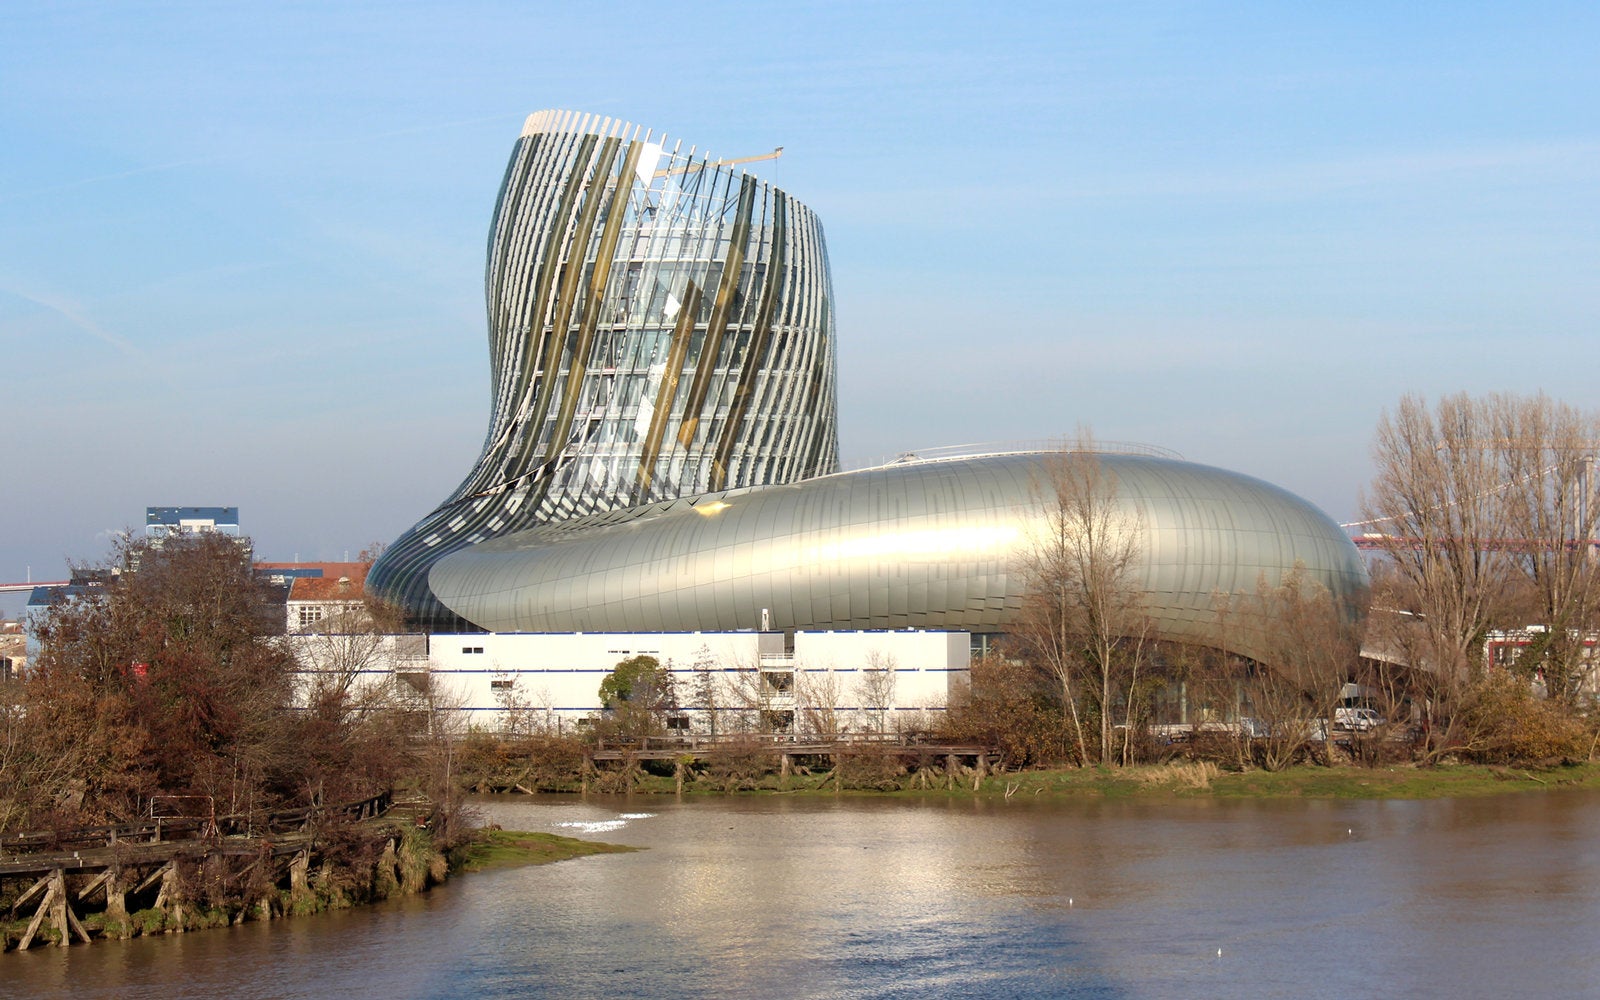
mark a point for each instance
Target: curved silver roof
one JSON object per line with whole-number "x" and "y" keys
{"x": 920, "y": 545}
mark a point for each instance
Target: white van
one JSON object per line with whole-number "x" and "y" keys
{"x": 1357, "y": 720}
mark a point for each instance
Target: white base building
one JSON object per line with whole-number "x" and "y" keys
{"x": 809, "y": 683}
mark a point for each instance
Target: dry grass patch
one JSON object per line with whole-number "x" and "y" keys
{"x": 1195, "y": 774}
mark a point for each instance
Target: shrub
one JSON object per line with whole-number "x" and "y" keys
{"x": 1501, "y": 722}
{"x": 869, "y": 770}
{"x": 736, "y": 766}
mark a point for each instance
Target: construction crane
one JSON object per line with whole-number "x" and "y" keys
{"x": 693, "y": 167}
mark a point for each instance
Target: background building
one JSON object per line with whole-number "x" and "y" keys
{"x": 13, "y": 651}
{"x": 160, "y": 522}
{"x": 320, "y": 595}
{"x": 809, "y": 682}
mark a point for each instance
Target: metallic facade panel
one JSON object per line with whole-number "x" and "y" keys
{"x": 837, "y": 553}
{"x": 659, "y": 325}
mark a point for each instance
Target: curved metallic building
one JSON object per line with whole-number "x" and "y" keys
{"x": 932, "y": 544}
{"x": 659, "y": 325}
{"x": 662, "y": 450}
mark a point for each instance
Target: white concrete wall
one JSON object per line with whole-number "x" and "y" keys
{"x": 842, "y": 664}
{"x": 561, "y": 673}
{"x": 556, "y": 676}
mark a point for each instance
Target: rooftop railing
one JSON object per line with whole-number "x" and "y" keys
{"x": 981, "y": 450}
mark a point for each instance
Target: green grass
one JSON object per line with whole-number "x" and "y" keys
{"x": 1404, "y": 782}
{"x": 507, "y": 848}
{"x": 1309, "y": 782}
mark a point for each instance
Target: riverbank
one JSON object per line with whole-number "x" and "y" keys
{"x": 496, "y": 848}
{"x": 220, "y": 884}
{"x": 1199, "y": 780}
{"x": 1176, "y": 780}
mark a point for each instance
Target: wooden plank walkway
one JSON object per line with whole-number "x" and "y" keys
{"x": 119, "y": 861}
{"x": 133, "y": 854}
{"x": 232, "y": 828}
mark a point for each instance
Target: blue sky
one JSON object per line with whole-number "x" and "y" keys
{"x": 241, "y": 245}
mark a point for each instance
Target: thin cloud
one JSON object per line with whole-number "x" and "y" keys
{"x": 157, "y": 168}
{"x": 1298, "y": 179}
{"x": 978, "y": 202}
{"x": 114, "y": 176}
{"x": 75, "y": 314}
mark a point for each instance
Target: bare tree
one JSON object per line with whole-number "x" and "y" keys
{"x": 1083, "y": 618}
{"x": 1486, "y": 512}
{"x": 1438, "y": 511}
{"x": 817, "y": 695}
{"x": 430, "y": 714}
{"x": 1312, "y": 648}
{"x": 705, "y": 690}
{"x": 1209, "y": 680}
{"x": 874, "y": 689}
{"x": 518, "y": 718}
{"x": 343, "y": 651}
{"x": 1548, "y": 450}
{"x": 753, "y": 694}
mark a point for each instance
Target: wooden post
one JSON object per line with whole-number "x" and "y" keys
{"x": 677, "y": 776}
{"x": 72, "y": 921}
{"x": 54, "y": 905}
{"x": 388, "y": 875}
{"x": 297, "y": 873}
{"x": 36, "y": 889}
{"x": 117, "y": 903}
{"x": 169, "y": 899}
{"x": 49, "y": 882}
{"x": 785, "y": 766}
{"x": 58, "y": 906}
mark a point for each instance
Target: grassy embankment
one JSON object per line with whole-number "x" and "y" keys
{"x": 1206, "y": 781}
{"x": 1182, "y": 780}
{"x": 506, "y": 848}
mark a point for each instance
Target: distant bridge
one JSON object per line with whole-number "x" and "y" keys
{"x": 1382, "y": 543}
{"x": 22, "y": 588}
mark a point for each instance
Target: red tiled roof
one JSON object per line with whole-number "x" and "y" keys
{"x": 339, "y": 582}
{"x": 333, "y": 569}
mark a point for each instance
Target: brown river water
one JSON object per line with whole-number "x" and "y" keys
{"x": 862, "y": 897}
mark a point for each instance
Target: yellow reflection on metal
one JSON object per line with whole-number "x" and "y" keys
{"x": 936, "y": 542}
{"x": 711, "y": 509}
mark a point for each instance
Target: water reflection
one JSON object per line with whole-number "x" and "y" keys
{"x": 809, "y": 897}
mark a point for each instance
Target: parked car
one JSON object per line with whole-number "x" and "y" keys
{"x": 1357, "y": 720}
